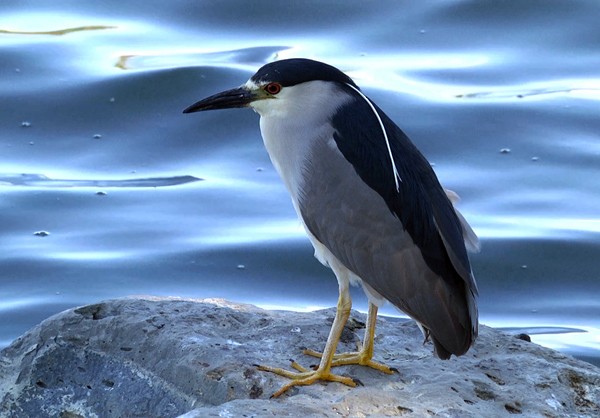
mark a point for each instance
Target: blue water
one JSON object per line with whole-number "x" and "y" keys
{"x": 108, "y": 190}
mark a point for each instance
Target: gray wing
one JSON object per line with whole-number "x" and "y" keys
{"x": 356, "y": 224}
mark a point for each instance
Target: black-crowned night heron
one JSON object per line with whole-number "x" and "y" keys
{"x": 371, "y": 205}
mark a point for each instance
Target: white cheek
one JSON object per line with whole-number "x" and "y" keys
{"x": 282, "y": 106}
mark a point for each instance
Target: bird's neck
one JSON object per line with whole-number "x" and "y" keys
{"x": 291, "y": 126}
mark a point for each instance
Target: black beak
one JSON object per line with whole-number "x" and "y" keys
{"x": 240, "y": 97}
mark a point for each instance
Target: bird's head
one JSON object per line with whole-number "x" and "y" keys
{"x": 277, "y": 87}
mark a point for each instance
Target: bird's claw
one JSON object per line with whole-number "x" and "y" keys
{"x": 306, "y": 377}
{"x": 353, "y": 358}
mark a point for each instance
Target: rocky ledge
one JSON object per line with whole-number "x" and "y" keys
{"x": 151, "y": 357}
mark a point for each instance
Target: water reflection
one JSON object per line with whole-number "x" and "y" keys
{"x": 511, "y": 226}
{"x": 93, "y": 256}
{"x": 15, "y": 304}
{"x": 581, "y": 341}
{"x": 243, "y": 59}
{"x": 590, "y": 90}
{"x": 40, "y": 180}
{"x": 259, "y": 232}
{"x": 58, "y": 32}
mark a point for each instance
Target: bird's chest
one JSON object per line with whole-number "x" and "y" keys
{"x": 290, "y": 144}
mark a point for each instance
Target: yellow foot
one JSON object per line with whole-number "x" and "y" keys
{"x": 305, "y": 377}
{"x": 357, "y": 357}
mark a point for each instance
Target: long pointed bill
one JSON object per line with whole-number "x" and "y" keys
{"x": 239, "y": 97}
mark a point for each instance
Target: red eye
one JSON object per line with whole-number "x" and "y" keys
{"x": 273, "y": 88}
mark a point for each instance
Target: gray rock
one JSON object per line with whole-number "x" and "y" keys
{"x": 151, "y": 357}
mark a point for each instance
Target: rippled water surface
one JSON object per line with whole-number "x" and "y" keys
{"x": 108, "y": 190}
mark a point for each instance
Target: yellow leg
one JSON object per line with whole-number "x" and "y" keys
{"x": 304, "y": 377}
{"x": 363, "y": 356}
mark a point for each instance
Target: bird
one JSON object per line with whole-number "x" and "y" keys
{"x": 371, "y": 205}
